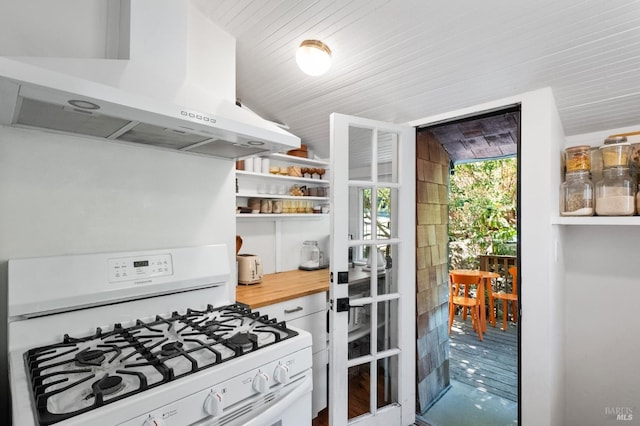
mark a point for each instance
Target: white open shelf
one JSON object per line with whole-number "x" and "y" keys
{"x": 271, "y": 216}
{"x": 299, "y": 160}
{"x": 596, "y": 220}
{"x": 279, "y": 196}
{"x": 281, "y": 177}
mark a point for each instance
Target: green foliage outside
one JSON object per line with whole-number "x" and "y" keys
{"x": 383, "y": 224}
{"x": 482, "y": 211}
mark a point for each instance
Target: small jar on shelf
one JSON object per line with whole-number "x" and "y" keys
{"x": 615, "y": 155}
{"x": 615, "y": 193}
{"x": 576, "y": 194}
{"x": 577, "y": 158}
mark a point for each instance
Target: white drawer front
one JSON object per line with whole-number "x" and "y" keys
{"x": 296, "y": 308}
{"x": 308, "y": 313}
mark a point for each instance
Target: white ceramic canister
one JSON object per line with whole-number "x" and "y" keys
{"x": 248, "y": 164}
{"x": 257, "y": 165}
{"x": 265, "y": 165}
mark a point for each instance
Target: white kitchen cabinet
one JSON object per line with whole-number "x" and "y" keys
{"x": 251, "y": 184}
{"x": 308, "y": 313}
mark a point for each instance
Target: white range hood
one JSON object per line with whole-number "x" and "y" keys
{"x": 35, "y": 97}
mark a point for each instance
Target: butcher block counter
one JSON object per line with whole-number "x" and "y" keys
{"x": 283, "y": 286}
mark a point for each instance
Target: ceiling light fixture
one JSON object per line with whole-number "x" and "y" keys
{"x": 313, "y": 57}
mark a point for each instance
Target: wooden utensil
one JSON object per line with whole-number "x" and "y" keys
{"x": 238, "y": 244}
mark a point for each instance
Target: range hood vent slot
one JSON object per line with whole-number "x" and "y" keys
{"x": 161, "y": 136}
{"x": 44, "y": 115}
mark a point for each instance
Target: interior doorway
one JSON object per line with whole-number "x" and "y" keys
{"x": 482, "y": 137}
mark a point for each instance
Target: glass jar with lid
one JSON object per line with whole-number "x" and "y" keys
{"x": 309, "y": 256}
{"x": 577, "y": 158}
{"x": 615, "y": 155}
{"x": 615, "y": 193}
{"x": 576, "y": 194}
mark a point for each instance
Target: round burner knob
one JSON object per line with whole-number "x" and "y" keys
{"x": 153, "y": 421}
{"x": 281, "y": 374}
{"x": 261, "y": 382}
{"x": 214, "y": 404}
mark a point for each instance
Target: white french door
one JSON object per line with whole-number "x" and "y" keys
{"x": 372, "y": 292}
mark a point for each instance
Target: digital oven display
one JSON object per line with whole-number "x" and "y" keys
{"x": 140, "y": 263}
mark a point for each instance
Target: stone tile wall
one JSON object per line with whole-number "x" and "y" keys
{"x": 432, "y": 215}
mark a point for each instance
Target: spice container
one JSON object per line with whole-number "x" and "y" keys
{"x": 266, "y": 206}
{"x": 615, "y": 155}
{"x": 254, "y": 205}
{"x": 576, "y": 194}
{"x": 577, "y": 158}
{"x": 615, "y": 193}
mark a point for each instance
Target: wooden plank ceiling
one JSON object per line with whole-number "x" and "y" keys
{"x": 404, "y": 60}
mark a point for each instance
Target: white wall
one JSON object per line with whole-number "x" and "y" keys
{"x": 278, "y": 243}
{"x": 601, "y": 315}
{"x": 541, "y": 351}
{"x": 64, "y": 194}
{"x": 65, "y": 28}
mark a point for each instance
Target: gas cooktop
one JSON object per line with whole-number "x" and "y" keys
{"x": 82, "y": 373}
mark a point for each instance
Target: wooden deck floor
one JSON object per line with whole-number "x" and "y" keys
{"x": 490, "y": 365}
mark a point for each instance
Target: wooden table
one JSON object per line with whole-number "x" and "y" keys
{"x": 486, "y": 277}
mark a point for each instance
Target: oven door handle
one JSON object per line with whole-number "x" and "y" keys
{"x": 279, "y": 407}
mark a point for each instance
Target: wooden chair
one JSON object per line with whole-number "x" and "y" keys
{"x": 506, "y": 298}
{"x": 472, "y": 303}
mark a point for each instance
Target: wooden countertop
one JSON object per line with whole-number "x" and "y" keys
{"x": 283, "y": 286}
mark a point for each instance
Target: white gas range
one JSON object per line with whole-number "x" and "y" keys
{"x": 148, "y": 338}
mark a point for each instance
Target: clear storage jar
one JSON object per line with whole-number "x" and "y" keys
{"x": 615, "y": 155}
{"x": 576, "y": 194}
{"x": 577, "y": 158}
{"x": 309, "y": 255}
{"x": 615, "y": 193}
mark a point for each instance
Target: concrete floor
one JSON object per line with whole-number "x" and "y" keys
{"x": 464, "y": 405}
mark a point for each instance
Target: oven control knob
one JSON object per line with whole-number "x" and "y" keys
{"x": 281, "y": 374}
{"x": 153, "y": 421}
{"x": 261, "y": 382}
{"x": 214, "y": 404}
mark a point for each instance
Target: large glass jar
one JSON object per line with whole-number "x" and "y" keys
{"x": 615, "y": 193}
{"x": 309, "y": 256}
{"x": 576, "y": 194}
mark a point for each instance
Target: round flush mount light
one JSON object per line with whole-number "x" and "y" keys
{"x": 78, "y": 103}
{"x": 255, "y": 143}
{"x": 313, "y": 57}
